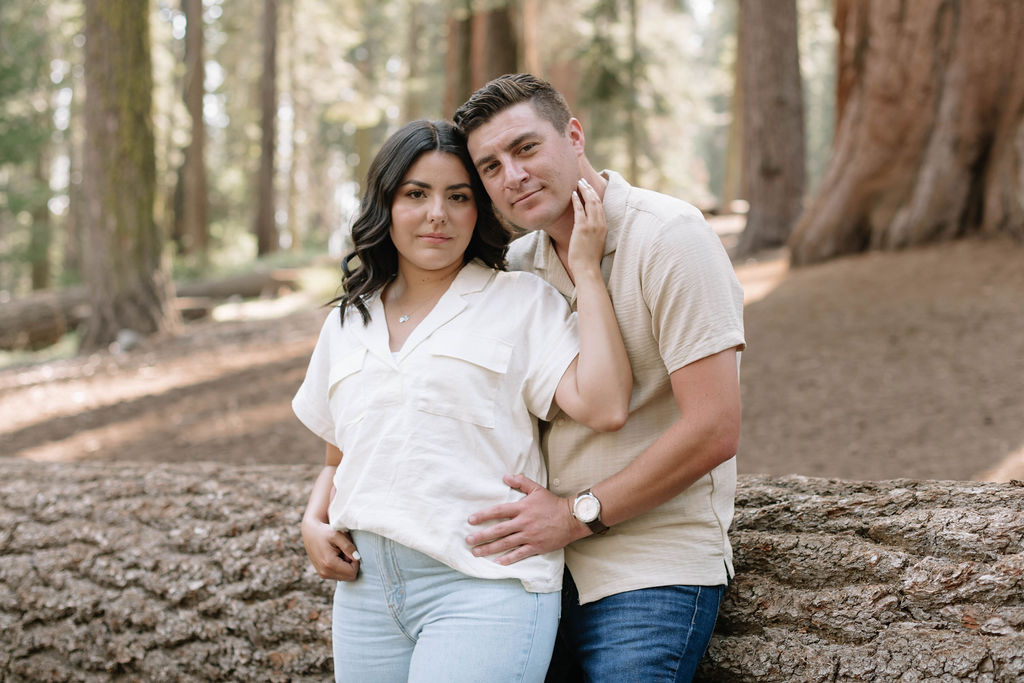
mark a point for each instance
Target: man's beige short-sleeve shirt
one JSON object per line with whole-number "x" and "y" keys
{"x": 677, "y": 300}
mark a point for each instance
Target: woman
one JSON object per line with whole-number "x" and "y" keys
{"x": 427, "y": 383}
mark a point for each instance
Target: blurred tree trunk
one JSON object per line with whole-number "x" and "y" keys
{"x": 412, "y": 98}
{"x": 41, "y": 237}
{"x": 266, "y": 228}
{"x": 195, "y": 214}
{"x": 482, "y": 44}
{"x": 634, "y": 139}
{"x": 128, "y": 283}
{"x": 531, "y": 40}
{"x": 732, "y": 182}
{"x": 293, "y": 225}
{"x": 494, "y": 45}
{"x": 773, "y": 123}
{"x": 930, "y": 123}
{"x": 458, "y": 84}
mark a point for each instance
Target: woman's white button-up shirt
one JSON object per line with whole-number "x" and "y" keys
{"x": 428, "y": 432}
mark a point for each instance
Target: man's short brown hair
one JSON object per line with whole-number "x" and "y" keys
{"x": 507, "y": 91}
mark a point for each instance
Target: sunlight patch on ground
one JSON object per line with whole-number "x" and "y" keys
{"x": 760, "y": 276}
{"x": 1010, "y": 468}
{"x": 264, "y": 309}
{"x": 57, "y": 399}
{"x": 237, "y": 422}
{"x": 90, "y": 443}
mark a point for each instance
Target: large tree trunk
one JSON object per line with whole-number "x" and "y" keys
{"x": 123, "y": 251}
{"x": 494, "y": 45}
{"x": 773, "y": 122}
{"x": 266, "y": 226}
{"x": 930, "y": 128}
{"x": 194, "y": 211}
{"x": 135, "y": 571}
{"x": 482, "y": 44}
{"x": 873, "y": 581}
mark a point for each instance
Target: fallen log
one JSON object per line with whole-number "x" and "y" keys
{"x": 40, "y": 319}
{"x": 196, "y": 571}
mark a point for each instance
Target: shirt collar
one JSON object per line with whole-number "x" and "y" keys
{"x": 472, "y": 278}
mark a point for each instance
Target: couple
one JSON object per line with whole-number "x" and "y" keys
{"x": 438, "y": 373}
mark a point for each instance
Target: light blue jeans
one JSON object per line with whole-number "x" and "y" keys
{"x": 408, "y": 617}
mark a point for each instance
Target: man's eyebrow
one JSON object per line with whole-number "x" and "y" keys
{"x": 515, "y": 142}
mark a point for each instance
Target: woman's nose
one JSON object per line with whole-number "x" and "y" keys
{"x": 436, "y": 212}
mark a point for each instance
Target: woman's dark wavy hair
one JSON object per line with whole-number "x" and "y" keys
{"x": 375, "y": 255}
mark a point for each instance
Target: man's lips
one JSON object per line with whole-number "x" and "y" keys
{"x": 524, "y": 197}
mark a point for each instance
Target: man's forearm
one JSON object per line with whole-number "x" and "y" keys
{"x": 705, "y": 435}
{"x": 669, "y": 466}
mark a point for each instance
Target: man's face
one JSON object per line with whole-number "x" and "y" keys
{"x": 529, "y": 168}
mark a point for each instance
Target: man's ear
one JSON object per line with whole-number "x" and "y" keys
{"x": 574, "y": 131}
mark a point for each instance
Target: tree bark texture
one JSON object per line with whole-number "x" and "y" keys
{"x": 186, "y": 572}
{"x": 773, "y": 122}
{"x": 123, "y": 246}
{"x": 930, "y": 128}
{"x": 873, "y": 581}
{"x": 266, "y": 225}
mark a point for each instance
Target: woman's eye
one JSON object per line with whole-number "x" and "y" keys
{"x": 415, "y": 194}
{"x": 459, "y": 197}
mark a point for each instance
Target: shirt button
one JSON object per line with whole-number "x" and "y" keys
{"x": 556, "y": 482}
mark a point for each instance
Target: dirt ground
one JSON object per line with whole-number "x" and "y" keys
{"x": 879, "y": 366}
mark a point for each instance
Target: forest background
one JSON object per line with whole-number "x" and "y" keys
{"x": 156, "y": 157}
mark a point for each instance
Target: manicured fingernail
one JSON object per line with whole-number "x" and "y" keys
{"x": 356, "y": 555}
{"x": 575, "y": 195}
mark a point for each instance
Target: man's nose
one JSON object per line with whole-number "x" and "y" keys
{"x": 515, "y": 175}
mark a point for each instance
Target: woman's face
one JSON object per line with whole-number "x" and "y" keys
{"x": 433, "y": 214}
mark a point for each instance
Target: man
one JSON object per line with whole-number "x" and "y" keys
{"x": 643, "y": 512}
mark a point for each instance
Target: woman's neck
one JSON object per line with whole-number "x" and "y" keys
{"x": 413, "y": 284}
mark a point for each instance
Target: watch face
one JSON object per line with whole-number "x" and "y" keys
{"x": 586, "y": 509}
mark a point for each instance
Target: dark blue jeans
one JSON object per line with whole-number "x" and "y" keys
{"x": 649, "y": 635}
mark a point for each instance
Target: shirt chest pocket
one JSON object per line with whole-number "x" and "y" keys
{"x": 463, "y": 376}
{"x": 346, "y": 380}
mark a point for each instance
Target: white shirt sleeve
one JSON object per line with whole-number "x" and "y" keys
{"x": 311, "y": 401}
{"x": 552, "y": 337}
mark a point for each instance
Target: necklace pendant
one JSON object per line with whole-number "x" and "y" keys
{"x": 403, "y": 318}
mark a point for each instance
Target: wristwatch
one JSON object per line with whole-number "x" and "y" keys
{"x": 587, "y": 508}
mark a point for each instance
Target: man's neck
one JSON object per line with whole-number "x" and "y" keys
{"x": 560, "y": 232}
